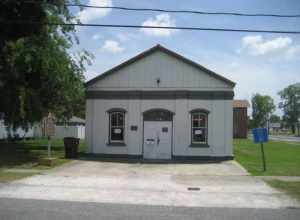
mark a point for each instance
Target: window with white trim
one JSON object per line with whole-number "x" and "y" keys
{"x": 117, "y": 126}
{"x": 199, "y": 127}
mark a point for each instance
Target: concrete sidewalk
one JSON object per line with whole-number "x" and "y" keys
{"x": 223, "y": 184}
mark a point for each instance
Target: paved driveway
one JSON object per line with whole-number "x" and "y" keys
{"x": 224, "y": 184}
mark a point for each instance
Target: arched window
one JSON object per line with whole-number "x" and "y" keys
{"x": 116, "y": 125}
{"x": 199, "y": 128}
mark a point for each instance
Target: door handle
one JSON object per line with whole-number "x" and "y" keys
{"x": 158, "y": 140}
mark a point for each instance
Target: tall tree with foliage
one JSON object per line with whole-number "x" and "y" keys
{"x": 290, "y": 104}
{"x": 262, "y": 108}
{"x": 38, "y": 74}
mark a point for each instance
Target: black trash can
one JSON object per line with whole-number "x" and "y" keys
{"x": 71, "y": 147}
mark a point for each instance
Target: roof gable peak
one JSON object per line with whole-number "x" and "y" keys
{"x": 159, "y": 47}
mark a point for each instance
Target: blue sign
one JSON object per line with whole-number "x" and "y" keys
{"x": 260, "y": 135}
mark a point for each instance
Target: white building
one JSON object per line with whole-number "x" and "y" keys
{"x": 75, "y": 127}
{"x": 160, "y": 105}
{"x": 275, "y": 126}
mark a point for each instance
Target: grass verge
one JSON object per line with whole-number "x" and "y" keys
{"x": 19, "y": 158}
{"x": 282, "y": 158}
{"x": 11, "y": 176}
{"x": 290, "y": 188}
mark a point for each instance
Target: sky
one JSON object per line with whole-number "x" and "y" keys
{"x": 258, "y": 63}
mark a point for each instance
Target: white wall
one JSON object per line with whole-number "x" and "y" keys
{"x": 219, "y": 126}
{"x": 173, "y": 73}
{"x": 81, "y": 131}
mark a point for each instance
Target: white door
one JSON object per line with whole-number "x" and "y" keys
{"x": 157, "y": 139}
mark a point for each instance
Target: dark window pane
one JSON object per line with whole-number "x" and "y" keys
{"x": 120, "y": 119}
{"x": 203, "y": 120}
{"x": 195, "y": 116}
{"x": 117, "y": 126}
{"x": 117, "y": 134}
{"x": 196, "y": 123}
{"x": 113, "y": 118}
{"x": 199, "y": 127}
{"x": 199, "y": 135}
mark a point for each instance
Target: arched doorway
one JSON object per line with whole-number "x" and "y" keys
{"x": 158, "y": 131}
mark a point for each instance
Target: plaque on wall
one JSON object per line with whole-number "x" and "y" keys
{"x": 133, "y": 127}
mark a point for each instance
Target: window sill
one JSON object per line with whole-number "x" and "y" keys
{"x": 199, "y": 145}
{"x": 116, "y": 144}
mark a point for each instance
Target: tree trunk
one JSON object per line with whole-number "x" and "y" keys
{"x": 293, "y": 128}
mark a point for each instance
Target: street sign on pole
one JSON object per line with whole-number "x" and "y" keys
{"x": 50, "y": 126}
{"x": 261, "y": 136}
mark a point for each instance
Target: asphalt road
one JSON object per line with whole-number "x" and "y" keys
{"x": 44, "y": 210}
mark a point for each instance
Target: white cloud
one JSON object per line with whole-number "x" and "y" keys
{"x": 159, "y": 21}
{"x": 253, "y": 76}
{"x": 90, "y": 14}
{"x": 128, "y": 36}
{"x": 97, "y": 36}
{"x": 112, "y": 46}
{"x": 293, "y": 52}
{"x": 257, "y": 45}
{"x": 122, "y": 37}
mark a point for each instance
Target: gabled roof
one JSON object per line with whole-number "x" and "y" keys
{"x": 158, "y": 47}
{"x": 241, "y": 104}
{"x": 72, "y": 121}
{"x": 76, "y": 119}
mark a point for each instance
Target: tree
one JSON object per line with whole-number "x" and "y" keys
{"x": 18, "y": 10}
{"x": 38, "y": 74}
{"x": 274, "y": 119}
{"x": 262, "y": 107}
{"x": 290, "y": 104}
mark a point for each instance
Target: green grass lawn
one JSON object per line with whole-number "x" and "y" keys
{"x": 25, "y": 156}
{"x": 283, "y": 158}
{"x": 291, "y": 188}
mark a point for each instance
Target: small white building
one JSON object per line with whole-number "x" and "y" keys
{"x": 160, "y": 105}
{"x": 75, "y": 127}
{"x": 275, "y": 126}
